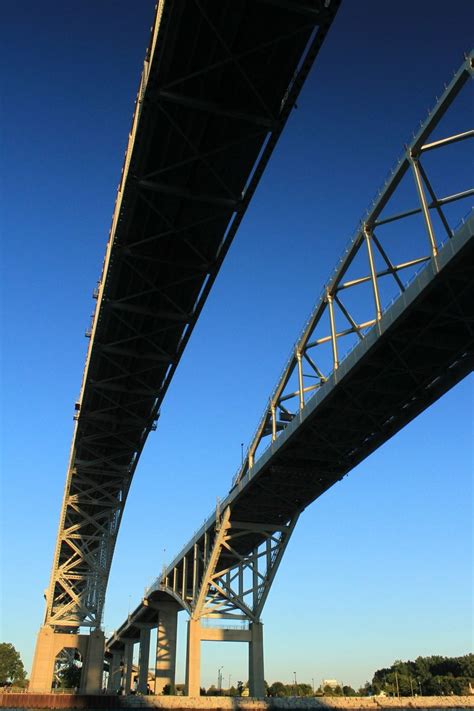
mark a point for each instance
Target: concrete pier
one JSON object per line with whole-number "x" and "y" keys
{"x": 127, "y": 666}
{"x": 253, "y": 636}
{"x": 256, "y": 673}
{"x": 165, "y": 660}
{"x": 115, "y": 672}
{"x": 143, "y": 659}
{"x": 193, "y": 658}
{"x": 49, "y": 644}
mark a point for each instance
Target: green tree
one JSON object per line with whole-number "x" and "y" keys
{"x": 278, "y": 689}
{"x": 169, "y": 690}
{"x": 348, "y": 690}
{"x": 428, "y": 676}
{"x": 366, "y": 690}
{"x": 12, "y": 670}
{"x": 305, "y": 689}
{"x": 70, "y": 675}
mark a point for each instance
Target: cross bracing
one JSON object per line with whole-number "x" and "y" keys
{"x": 407, "y": 355}
{"x": 218, "y": 84}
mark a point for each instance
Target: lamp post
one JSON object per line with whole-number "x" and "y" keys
{"x": 312, "y": 684}
{"x": 296, "y": 692}
{"x": 219, "y": 678}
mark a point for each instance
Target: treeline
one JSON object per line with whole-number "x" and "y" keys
{"x": 279, "y": 689}
{"x": 426, "y": 676}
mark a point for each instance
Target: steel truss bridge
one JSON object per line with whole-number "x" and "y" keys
{"x": 316, "y": 428}
{"x": 218, "y": 84}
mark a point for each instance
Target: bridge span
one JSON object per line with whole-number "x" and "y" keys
{"x": 316, "y": 428}
{"x": 218, "y": 84}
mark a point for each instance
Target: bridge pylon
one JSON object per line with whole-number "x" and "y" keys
{"x": 50, "y": 645}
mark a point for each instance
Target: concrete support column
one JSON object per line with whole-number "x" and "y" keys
{"x": 127, "y": 666}
{"x": 115, "y": 678}
{"x": 165, "y": 665}
{"x": 256, "y": 672}
{"x": 93, "y": 664}
{"x": 43, "y": 662}
{"x": 50, "y": 644}
{"x": 143, "y": 660}
{"x": 193, "y": 659}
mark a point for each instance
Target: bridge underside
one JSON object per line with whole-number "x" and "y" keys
{"x": 422, "y": 347}
{"x": 427, "y": 349}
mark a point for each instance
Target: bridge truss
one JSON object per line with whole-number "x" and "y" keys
{"x": 218, "y": 84}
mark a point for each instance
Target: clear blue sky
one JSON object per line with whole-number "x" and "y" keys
{"x": 380, "y": 567}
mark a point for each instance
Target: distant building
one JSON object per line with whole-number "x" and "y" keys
{"x": 332, "y": 683}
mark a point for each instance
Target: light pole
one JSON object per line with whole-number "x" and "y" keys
{"x": 219, "y": 678}
{"x": 296, "y": 693}
{"x": 312, "y": 683}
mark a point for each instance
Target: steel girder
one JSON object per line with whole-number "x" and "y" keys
{"x": 229, "y": 570}
{"x": 218, "y": 84}
{"x": 407, "y": 356}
